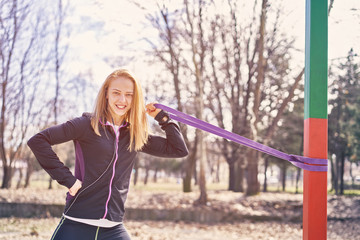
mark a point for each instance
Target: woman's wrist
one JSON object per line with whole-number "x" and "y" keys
{"x": 162, "y": 117}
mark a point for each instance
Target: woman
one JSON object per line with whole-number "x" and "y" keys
{"x": 106, "y": 143}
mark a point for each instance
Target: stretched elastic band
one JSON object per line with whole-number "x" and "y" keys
{"x": 317, "y": 164}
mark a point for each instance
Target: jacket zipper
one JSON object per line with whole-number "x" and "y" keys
{"x": 117, "y": 134}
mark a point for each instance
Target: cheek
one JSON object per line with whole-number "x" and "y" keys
{"x": 110, "y": 100}
{"x": 129, "y": 99}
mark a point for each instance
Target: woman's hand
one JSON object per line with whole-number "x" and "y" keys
{"x": 152, "y": 110}
{"x": 75, "y": 188}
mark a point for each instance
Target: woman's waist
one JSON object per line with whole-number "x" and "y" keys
{"x": 101, "y": 222}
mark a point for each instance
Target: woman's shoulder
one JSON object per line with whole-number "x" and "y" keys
{"x": 81, "y": 125}
{"x": 87, "y": 115}
{"x": 83, "y": 120}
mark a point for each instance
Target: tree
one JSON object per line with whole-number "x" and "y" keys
{"x": 289, "y": 139}
{"x": 253, "y": 78}
{"x": 169, "y": 51}
{"x": 344, "y": 119}
{"x": 198, "y": 58}
{"x": 23, "y": 58}
{"x": 245, "y": 68}
{"x": 59, "y": 55}
{"x": 27, "y": 53}
{"x": 232, "y": 63}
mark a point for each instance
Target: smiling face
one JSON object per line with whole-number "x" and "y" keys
{"x": 119, "y": 96}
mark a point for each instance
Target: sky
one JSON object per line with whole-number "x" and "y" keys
{"x": 97, "y": 25}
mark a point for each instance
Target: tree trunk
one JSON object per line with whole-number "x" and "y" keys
{"x": 136, "y": 175}
{"x": 332, "y": 166}
{"x": 253, "y": 186}
{"x": 155, "y": 175}
{"x": 239, "y": 176}
{"x": 190, "y": 162}
{"x": 50, "y": 183}
{"x": 18, "y": 185}
{"x": 298, "y": 173}
{"x": 342, "y": 169}
{"x": 232, "y": 176}
{"x": 7, "y": 171}
{"x": 136, "y": 172}
{"x": 266, "y": 164}
{"x": 187, "y": 182}
{"x": 337, "y": 175}
{"x": 146, "y": 175}
{"x": 217, "y": 179}
{"x": 202, "y": 181}
{"x": 29, "y": 171}
{"x": 351, "y": 175}
{"x": 283, "y": 176}
{"x": 195, "y": 175}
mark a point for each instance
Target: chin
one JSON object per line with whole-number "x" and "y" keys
{"x": 121, "y": 112}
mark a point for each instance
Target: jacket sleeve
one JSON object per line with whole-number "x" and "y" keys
{"x": 173, "y": 146}
{"x": 40, "y": 144}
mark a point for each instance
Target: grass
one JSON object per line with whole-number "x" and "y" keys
{"x": 287, "y": 189}
{"x": 348, "y": 192}
{"x": 352, "y": 192}
{"x": 174, "y": 186}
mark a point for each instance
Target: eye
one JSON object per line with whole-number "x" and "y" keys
{"x": 129, "y": 94}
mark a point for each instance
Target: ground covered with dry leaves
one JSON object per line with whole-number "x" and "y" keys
{"x": 42, "y": 228}
{"x": 277, "y": 216}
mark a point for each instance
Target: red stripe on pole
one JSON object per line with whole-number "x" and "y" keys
{"x": 315, "y": 137}
{"x": 315, "y": 183}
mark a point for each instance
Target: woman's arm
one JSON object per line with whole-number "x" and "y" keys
{"x": 173, "y": 145}
{"x": 40, "y": 144}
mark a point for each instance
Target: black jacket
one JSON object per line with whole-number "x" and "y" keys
{"x": 103, "y": 163}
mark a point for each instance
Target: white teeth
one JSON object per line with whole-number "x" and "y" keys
{"x": 121, "y": 107}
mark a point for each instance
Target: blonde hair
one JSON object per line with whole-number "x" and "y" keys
{"x": 136, "y": 116}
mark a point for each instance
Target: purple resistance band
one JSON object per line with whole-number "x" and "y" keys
{"x": 298, "y": 161}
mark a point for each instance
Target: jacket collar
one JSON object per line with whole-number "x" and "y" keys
{"x": 124, "y": 124}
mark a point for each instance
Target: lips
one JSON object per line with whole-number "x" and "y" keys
{"x": 121, "y": 107}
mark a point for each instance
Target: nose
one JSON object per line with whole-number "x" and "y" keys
{"x": 122, "y": 98}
